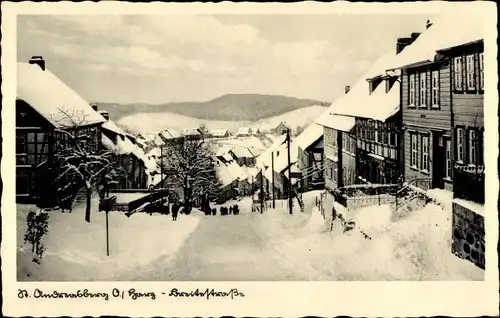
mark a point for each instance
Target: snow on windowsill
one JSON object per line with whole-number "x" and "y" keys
{"x": 376, "y": 156}
{"x": 333, "y": 158}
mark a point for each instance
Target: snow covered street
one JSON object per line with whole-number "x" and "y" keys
{"x": 225, "y": 248}
{"x": 273, "y": 246}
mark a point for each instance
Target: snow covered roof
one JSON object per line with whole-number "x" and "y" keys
{"x": 227, "y": 157}
{"x": 266, "y": 155}
{"x": 155, "y": 152}
{"x": 244, "y": 131}
{"x": 242, "y": 152}
{"x": 358, "y": 102}
{"x": 312, "y": 133}
{"x": 111, "y": 126}
{"x": 53, "y": 99}
{"x": 338, "y": 122}
{"x": 108, "y": 143}
{"x": 229, "y": 172}
{"x": 379, "y": 105}
{"x": 467, "y": 26}
{"x": 169, "y": 133}
{"x": 294, "y": 169}
{"x": 191, "y": 131}
{"x": 219, "y": 132}
{"x": 279, "y": 149}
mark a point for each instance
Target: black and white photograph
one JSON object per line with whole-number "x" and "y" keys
{"x": 250, "y": 147}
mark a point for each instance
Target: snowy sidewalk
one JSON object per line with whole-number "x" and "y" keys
{"x": 76, "y": 250}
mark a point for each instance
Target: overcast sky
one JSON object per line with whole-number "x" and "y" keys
{"x": 155, "y": 59}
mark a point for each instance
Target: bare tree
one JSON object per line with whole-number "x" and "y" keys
{"x": 191, "y": 160}
{"x": 80, "y": 162}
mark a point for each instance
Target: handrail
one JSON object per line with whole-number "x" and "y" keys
{"x": 408, "y": 184}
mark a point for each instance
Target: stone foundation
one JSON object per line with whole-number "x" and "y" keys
{"x": 468, "y": 235}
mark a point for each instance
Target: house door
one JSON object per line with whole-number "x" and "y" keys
{"x": 438, "y": 159}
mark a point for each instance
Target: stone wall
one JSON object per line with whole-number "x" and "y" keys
{"x": 468, "y": 235}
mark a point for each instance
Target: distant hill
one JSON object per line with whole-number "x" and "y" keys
{"x": 154, "y": 122}
{"x": 231, "y": 107}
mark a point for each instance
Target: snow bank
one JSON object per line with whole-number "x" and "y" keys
{"x": 76, "y": 250}
{"x": 415, "y": 247}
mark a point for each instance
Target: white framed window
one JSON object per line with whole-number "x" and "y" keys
{"x": 376, "y": 132}
{"x": 457, "y": 68}
{"x": 423, "y": 89}
{"x": 435, "y": 89}
{"x": 481, "y": 71}
{"x": 386, "y": 151}
{"x": 460, "y": 145}
{"x": 471, "y": 74}
{"x": 472, "y": 146}
{"x": 448, "y": 165}
{"x": 392, "y": 153}
{"x": 425, "y": 153}
{"x": 411, "y": 100}
{"x": 414, "y": 150}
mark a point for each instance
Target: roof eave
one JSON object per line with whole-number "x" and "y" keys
{"x": 411, "y": 65}
{"x": 447, "y": 49}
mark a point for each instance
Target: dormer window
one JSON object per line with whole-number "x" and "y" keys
{"x": 374, "y": 84}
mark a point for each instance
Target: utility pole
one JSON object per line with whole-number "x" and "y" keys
{"x": 261, "y": 192}
{"x": 161, "y": 176}
{"x": 253, "y": 190}
{"x": 272, "y": 170}
{"x": 290, "y": 202}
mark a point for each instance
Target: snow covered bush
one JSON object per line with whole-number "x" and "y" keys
{"x": 37, "y": 225}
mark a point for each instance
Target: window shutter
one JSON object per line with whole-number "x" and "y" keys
{"x": 467, "y": 141}
{"x": 477, "y": 82}
{"x": 479, "y": 145}
{"x": 417, "y": 89}
{"x": 464, "y": 73}
{"x": 428, "y": 88}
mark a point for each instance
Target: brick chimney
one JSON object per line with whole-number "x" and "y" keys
{"x": 428, "y": 24}
{"x": 401, "y": 43}
{"x": 104, "y": 114}
{"x": 415, "y": 35}
{"x": 38, "y": 60}
{"x": 347, "y": 89}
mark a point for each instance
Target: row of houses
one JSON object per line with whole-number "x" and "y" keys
{"x": 47, "y": 113}
{"x": 280, "y": 129}
{"x": 415, "y": 115}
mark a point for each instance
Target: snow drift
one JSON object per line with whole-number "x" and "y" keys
{"x": 411, "y": 247}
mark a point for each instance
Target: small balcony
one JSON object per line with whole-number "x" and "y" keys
{"x": 468, "y": 183}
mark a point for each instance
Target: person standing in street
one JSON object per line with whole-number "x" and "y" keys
{"x": 175, "y": 211}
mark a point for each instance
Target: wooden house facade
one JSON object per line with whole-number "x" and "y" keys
{"x": 310, "y": 163}
{"x": 46, "y": 112}
{"x": 442, "y": 102}
{"x": 281, "y": 129}
{"x": 427, "y": 117}
{"x": 310, "y": 158}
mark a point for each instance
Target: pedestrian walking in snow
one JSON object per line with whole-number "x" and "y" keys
{"x": 230, "y": 210}
{"x": 214, "y": 211}
{"x": 175, "y": 211}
